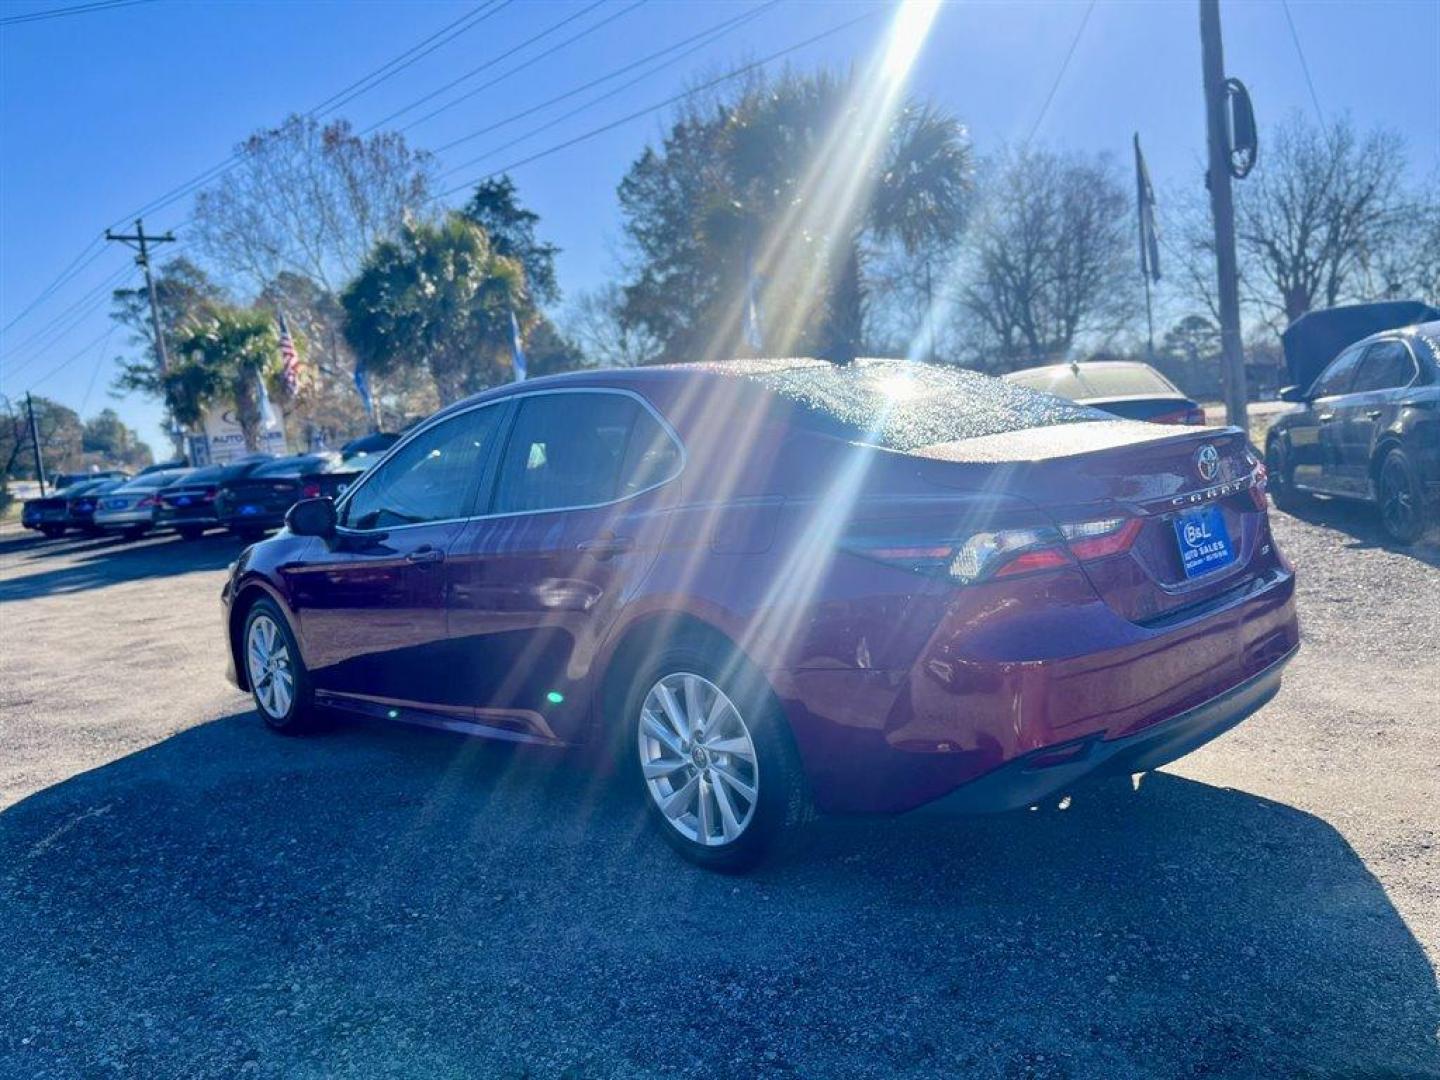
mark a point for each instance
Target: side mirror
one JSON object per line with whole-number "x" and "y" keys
{"x": 1294, "y": 394}
{"x": 311, "y": 517}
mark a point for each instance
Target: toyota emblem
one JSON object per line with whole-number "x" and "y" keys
{"x": 1207, "y": 462}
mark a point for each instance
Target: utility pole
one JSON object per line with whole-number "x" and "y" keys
{"x": 1222, "y": 209}
{"x": 140, "y": 241}
{"x": 35, "y": 443}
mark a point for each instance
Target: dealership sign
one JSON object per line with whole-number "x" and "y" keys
{"x": 224, "y": 441}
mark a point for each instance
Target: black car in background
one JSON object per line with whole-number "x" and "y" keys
{"x": 1123, "y": 387}
{"x": 188, "y": 506}
{"x": 82, "y": 499}
{"x": 1368, "y": 429}
{"x": 49, "y": 515}
{"x": 252, "y": 505}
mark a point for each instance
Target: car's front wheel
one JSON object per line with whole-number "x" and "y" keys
{"x": 278, "y": 680}
{"x": 720, "y": 776}
{"x": 1402, "y": 498}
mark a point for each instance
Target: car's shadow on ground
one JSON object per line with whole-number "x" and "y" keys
{"x": 381, "y": 901}
{"x": 1362, "y": 523}
{"x": 84, "y": 563}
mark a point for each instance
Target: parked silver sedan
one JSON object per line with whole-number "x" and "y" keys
{"x": 130, "y": 508}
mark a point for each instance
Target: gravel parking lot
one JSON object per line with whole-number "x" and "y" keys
{"x": 184, "y": 894}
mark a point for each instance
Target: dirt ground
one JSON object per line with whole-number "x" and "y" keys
{"x": 185, "y": 894}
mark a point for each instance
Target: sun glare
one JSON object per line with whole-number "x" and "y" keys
{"x": 907, "y": 35}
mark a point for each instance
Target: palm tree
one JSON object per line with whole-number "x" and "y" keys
{"x": 222, "y": 357}
{"x": 923, "y": 198}
{"x": 439, "y": 295}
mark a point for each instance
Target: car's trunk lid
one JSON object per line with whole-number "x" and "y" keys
{"x": 1112, "y": 469}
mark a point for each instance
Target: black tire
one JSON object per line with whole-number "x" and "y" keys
{"x": 299, "y": 716}
{"x": 1280, "y": 471}
{"x": 782, "y": 808}
{"x": 250, "y": 536}
{"x": 190, "y": 532}
{"x": 52, "y": 532}
{"x": 1403, "y": 512}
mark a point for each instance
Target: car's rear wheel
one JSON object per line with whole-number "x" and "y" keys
{"x": 135, "y": 533}
{"x": 52, "y": 532}
{"x": 1402, "y": 498}
{"x": 1280, "y": 472}
{"x": 719, "y": 774}
{"x": 190, "y": 532}
{"x": 249, "y": 536}
{"x": 278, "y": 680}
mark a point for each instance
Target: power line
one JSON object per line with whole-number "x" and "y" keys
{"x": 1059, "y": 75}
{"x": 488, "y": 64}
{"x": 1304, "y": 66}
{"x": 479, "y": 14}
{"x": 391, "y": 67}
{"x": 214, "y": 171}
{"x": 95, "y": 296}
{"x": 73, "y": 9}
{"x": 72, "y": 358}
{"x": 95, "y": 371}
{"x": 72, "y": 268}
{"x": 539, "y": 56}
{"x": 710, "y": 35}
{"x": 639, "y": 113}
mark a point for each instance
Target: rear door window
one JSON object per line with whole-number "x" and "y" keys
{"x": 1387, "y": 365}
{"x": 571, "y": 450}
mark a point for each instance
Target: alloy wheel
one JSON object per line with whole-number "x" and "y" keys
{"x": 271, "y": 669}
{"x": 698, "y": 759}
{"x": 1397, "y": 501}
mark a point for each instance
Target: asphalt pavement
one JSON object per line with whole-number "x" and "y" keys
{"x": 184, "y": 894}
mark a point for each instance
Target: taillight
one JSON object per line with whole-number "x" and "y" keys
{"x": 1260, "y": 478}
{"x": 208, "y": 495}
{"x": 1191, "y": 414}
{"x": 1007, "y": 552}
{"x": 148, "y": 500}
{"x": 311, "y": 491}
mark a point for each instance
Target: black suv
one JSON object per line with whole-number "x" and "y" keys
{"x": 1369, "y": 429}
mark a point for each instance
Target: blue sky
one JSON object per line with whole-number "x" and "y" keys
{"x": 101, "y": 113}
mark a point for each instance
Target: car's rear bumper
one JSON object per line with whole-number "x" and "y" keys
{"x": 1034, "y": 674}
{"x": 1053, "y": 770}
{"x": 178, "y": 518}
{"x": 123, "y": 519}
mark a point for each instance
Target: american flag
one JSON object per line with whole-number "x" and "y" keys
{"x": 290, "y": 372}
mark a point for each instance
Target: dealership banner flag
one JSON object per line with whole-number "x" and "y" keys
{"x": 1149, "y": 235}
{"x": 517, "y": 351}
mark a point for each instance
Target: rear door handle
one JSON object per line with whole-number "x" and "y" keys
{"x": 1326, "y": 417}
{"x": 1374, "y": 414}
{"x": 605, "y": 547}
{"x": 425, "y": 555}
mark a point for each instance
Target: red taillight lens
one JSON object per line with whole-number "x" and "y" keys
{"x": 1008, "y": 552}
{"x": 1191, "y": 414}
{"x": 147, "y": 501}
{"x": 310, "y": 491}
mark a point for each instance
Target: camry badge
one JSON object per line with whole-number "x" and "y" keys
{"x": 1207, "y": 462}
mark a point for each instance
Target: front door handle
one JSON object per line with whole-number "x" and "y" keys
{"x": 605, "y": 547}
{"x": 425, "y": 555}
{"x": 1326, "y": 417}
{"x": 1374, "y": 414}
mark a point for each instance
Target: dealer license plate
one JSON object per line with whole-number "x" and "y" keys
{"x": 1204, "y": 541}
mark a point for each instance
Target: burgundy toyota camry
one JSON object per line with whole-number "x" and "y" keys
{"x": 766, "y": 586}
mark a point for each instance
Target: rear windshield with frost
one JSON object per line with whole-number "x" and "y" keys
{"x": 904, "y": 406}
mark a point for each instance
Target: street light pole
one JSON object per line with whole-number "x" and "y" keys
{"x": 1222, "y": 209}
